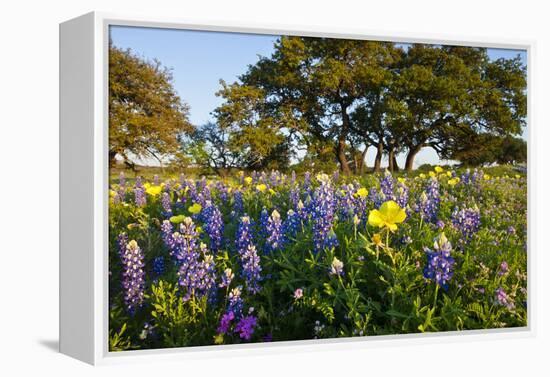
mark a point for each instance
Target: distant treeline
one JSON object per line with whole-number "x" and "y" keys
{"x": 322, "y": 102}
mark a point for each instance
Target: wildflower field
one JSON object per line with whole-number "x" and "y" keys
{"x": 260, "y": 257}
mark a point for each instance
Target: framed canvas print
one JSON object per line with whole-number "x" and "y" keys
{"x": 227, "y": 188}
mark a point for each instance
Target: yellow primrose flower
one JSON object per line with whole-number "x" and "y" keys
{"x": 248, "y": 180}
{"x": 438, "y": 169}
{"x": 387, "y": 216}
{"x": 453, "y": 181}
{"x": 272, "y": 192}
{"x": 401, "y": 180}
{"x": 377, "y": 239}
{"x": 362, "y": 192}
{"x": 112, "y": 193}
{"x": 486, "y": 177}
{"x": 449, "y": 174}
{"x": 195, "y": 208}
{"x": 518, "y": 176}
{"x": 422, "y": 175}
{"x": 261, "y": 187}
{"x": 153, "y": 190}
{"x": 432, "y": 174}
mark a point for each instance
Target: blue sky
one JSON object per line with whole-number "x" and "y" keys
{"x": 199, "y": 59}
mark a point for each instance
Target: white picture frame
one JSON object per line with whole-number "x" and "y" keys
{"x": 84, "y": 190}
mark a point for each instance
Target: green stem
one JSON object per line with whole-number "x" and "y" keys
{"x": 435, "y": 295}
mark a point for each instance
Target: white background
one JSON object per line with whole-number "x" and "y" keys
{"x": 29, "y": 184}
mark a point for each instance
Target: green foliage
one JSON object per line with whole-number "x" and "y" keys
{"x": 146, "y": 116}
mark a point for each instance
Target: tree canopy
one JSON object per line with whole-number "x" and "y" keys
{"x": 146, "y": 116}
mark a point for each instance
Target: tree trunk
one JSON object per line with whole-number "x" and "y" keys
{"x": 341, "y": 147}
{"x": 378, "y": 158}
{"x": 112, "y": 161}
{"x": 413, "y": 151}
{"x": 391, "y": 160}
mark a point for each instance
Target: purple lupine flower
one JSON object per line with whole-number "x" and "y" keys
{"x": 251, "y": 269}
{"x": 185, "y": 242}
{"x": 429, "y": 201}
{"x": 274, "y": 229}
{"x": 197, "y": 277}
{"x": 511, "y": 230}
{"x": 440, "y": 263}
{"x": 245, "y": 327}
{"x": 238, "y": 205}
{"x": 346, "y": 202}
{"x": 386, "y": 186}
{"x": 250, "y": 261}
{"x": 294, "y": 196}
{"x": 323, "y": 211}
{"x": 376, "y": 197}
{"x": 244, "y": 236}
{"x": 227, "y": 278}
{"x": 213, "y": 226}
{"x": 166, "y": 204}
{"x": 166, "y": 231}
{"x": 402, "y": 195}
{"x": 235, "y": 302}
{"x": 440, "y": 224}
{"x": 467, "y": 221}
{"x": 139, "y": 193}
{"x": 290, "y": 225}
{"x": 133, "y": 277}
{"x": 122, "y": 242}
{"x": 225, "y": 322}
{"x": 264, "y": 218}
{"x": 502, "y": 298}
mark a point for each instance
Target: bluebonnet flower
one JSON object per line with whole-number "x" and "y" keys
{"x": 245, "y": 327}
{"x": 122, "y": 242}
{"x": 158, "y": 265}
{"x": 184, "y": 244}
{"x": 511, "y": 230}
{"x": 323, "y": 208}
{"x": 376, "y": 197}
{"x": 402, "y": 195}
{"x": 290, "y": 225}
{"x": 440, "y": 263}
{"x": 274, "y": 229}
{"x": 197, "y": 277}
{"x": 139, "y": 193}
{"x": 244, "y": 236}
{"x": 250, "y": 261}
{"x": 429, "y": 201}
{"x": 213, "y": 226}
{"x": 264, "y": 218}
{"x": 166, "y": 231}
{"x": 502, "y": 298}
{"x": 235, "y": 302}
{"x": 337, "y": 267}
{"x": 133, "y": 276}
{"x": 294, "y": 197}
{"x": 386, "y": 186}
{"x": 238, "y": 206}
{"x": 166, "y": 203}
{"x": 227, "y": 278}
{"x": 346, "y": 202}
{"x": 251, "y": 269}
{"x": 467, "y": 221}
